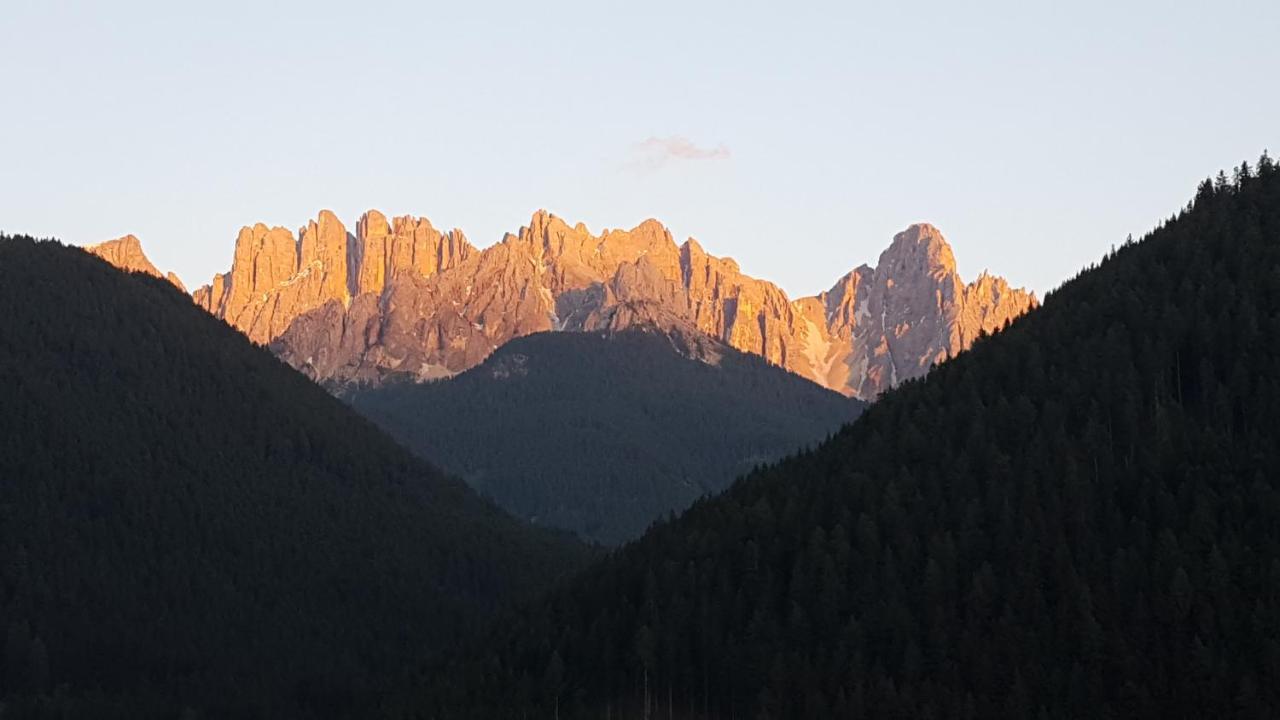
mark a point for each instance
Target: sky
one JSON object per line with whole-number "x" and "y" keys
{"x": 796, "y": 137}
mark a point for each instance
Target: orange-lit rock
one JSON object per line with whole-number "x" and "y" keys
{"x": 126, "y": 254}
{"x": 402, "y": 299}
{"x": 892, "y": 322}
{"x": 275, "y": 278}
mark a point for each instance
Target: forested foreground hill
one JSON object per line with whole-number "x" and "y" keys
{"x": 1080, "y": 517}
{"x": 189, "y": 527}
{"x": 604, "y": 433}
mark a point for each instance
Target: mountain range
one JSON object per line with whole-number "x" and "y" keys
{"x": 399, "y": 299}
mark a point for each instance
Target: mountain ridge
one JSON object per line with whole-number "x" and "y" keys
{"x": 400, "y": 299}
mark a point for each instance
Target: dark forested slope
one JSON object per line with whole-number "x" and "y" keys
{"x": 187, "y": 523}
{"x": 1080, "y": 517}
{"x": 604, "y": 433}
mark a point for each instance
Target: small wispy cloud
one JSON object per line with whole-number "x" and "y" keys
{"x": 656, "y": 152}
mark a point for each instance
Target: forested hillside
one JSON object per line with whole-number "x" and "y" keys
{"x": 190, "y": 528}
{"x": 1079, "y": 517}
{"x": 604, "y": 433}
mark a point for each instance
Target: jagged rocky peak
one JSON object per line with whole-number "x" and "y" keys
{"x": 875, "y": 328}
{"x": 400, "y": 298}
{"x": 406, "y": 245}
{"x": 989, "y": 303}
{"x": 921, "y": 248}
{"x": 577, "y": 259}
{"x": 326, "y": 251}
{"x": 372, "y": 224}
{"x": 550, "y": 275}
{"x": 276, "y": 277}
{"x": 374, "y": 258}
{"x": 840, "y": 303}
{"x": 265, "y": 257}
{"x": 126, "y": 253}
{"x": 909, "y": 312}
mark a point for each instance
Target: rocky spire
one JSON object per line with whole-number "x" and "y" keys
{"x": 126, "y": 253}
{"x": 911, "y": 311}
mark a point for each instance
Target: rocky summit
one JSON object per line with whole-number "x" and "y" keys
{"x": 401, "y": 299}
{"x": 126, "y": 253}
{"x": 879, "y": 326}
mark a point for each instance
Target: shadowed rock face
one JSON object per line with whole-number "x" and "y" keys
{"x": 401, "y": 299}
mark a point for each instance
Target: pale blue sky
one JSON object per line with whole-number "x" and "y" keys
{"x": 1035, "y": 135}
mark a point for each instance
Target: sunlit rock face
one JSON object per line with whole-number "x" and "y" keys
{"x": 126, "y": 254}
{"x": 276, "y": 278}
{"x": 400, "y": 299}
{"x": 892, "y": 322}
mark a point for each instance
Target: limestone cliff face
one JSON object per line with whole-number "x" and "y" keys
{"x": 383, "y": 251}
{"x": 893, "y": 322}
{"x": 875, "y": 328}
{"x": 275, "y": 279}
{"x": 126, "y": 254}
{"x": 402, "y": 299}
{"x": 548, "y": 276}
